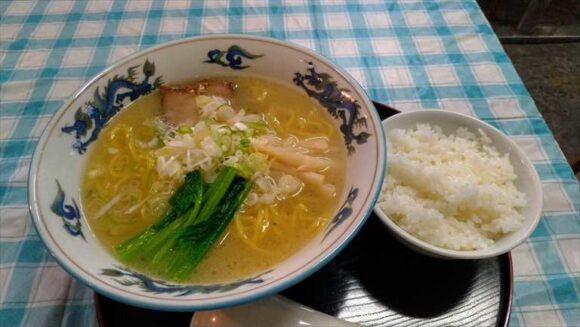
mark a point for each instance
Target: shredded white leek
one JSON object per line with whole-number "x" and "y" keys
{"x": 108, "y": 206}
{"x": 224, "y": 137}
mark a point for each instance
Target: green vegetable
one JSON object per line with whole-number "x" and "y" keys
{"x": 245, "y": 143}
{"x": 183, "y": 129}
{"x": 195, "y": 241}
{"x": 189, "y": 193}
{"x": 175, "y": 245}
{"x": 258, "y": 161}
{"x": 181, "y": 200}
{"x": 257, "y": 125}
{"x": 214, "y": 194}
{"x": 243, "y": 169}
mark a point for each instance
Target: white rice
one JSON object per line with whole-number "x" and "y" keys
{"x": 454, "y": 191}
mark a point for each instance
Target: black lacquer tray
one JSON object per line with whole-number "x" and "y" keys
{"x": 376, "y": 281}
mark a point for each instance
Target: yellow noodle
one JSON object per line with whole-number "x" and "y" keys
{"x": 266, "y": 224}
{"x": 316, "y": 224}
{"x": 117, "y": 165}
{"x": 257, "y": 224}
{"x": 276, "y": 231}
{"x": 327, "y": 128}
{"x": 134, "y": 151}
{"x": 259, "y": 237}
{"x": 247, "y": 240}
{"x": 94, "y": 204}
{"x": 119, "y": 183}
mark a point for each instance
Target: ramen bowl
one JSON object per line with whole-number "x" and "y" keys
{"x": 61, "y": 154}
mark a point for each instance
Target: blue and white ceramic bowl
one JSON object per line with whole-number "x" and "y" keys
{"x": 61, "y": 153}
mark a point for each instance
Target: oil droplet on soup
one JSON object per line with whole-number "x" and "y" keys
{"x": 122, "y": 193}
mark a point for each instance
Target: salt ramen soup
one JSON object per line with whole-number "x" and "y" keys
{"x": 123, "y": 191}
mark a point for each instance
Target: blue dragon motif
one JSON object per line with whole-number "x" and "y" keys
{"x": 233, "y": 55}
{"x": 106, "y": 104}
{"x": 338, "y": 103}
{"x": 148, "y": 284}
{"x": 344, "y": 212}
{"x": 70, "y": 214}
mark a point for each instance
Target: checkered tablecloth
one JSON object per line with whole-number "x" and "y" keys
{"x": 409, "y": 54}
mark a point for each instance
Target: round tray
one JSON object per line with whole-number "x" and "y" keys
{"x": 376, "y": 281}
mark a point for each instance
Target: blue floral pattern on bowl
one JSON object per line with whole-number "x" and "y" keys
{"x": 338, "y": 102}
{"x": 107, "y": 103}
{"x": 344, "y": 212}
{"x": 128, "y": 277}
{"x": 69, "y": 213}
{"x": 233, "y": 57}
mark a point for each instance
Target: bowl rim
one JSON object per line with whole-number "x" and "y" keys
{"x": 444, "y": 253}
{"x": 295, "y": 277}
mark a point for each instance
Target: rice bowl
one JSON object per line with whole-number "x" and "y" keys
{"x": 451, "y": 195}
{"x": 454, "y": 191}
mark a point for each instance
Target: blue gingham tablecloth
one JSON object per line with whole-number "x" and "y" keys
{"x": 409, "y": 54}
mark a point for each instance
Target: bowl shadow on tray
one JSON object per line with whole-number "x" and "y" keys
{"x": 111, "y": 313}
{"x": 376, "y": 266}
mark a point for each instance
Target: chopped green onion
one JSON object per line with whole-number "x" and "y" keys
{"x": 245, "y": 143}
{"x": 183, "y": 129}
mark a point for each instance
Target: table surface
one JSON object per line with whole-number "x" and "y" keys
{"x": 409, "y": 54}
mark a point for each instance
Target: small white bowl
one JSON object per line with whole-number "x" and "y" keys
{"x": 527, "y": 182}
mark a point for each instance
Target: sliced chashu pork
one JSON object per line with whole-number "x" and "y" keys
{"x": 179, "y": 101}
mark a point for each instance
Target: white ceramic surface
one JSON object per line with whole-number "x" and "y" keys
{"x": 273, "y": 311}
{"x": 527, "y": 182}
{"x": 59, "y": 159}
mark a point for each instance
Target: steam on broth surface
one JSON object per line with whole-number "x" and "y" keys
{"x": 125, "y": 191}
